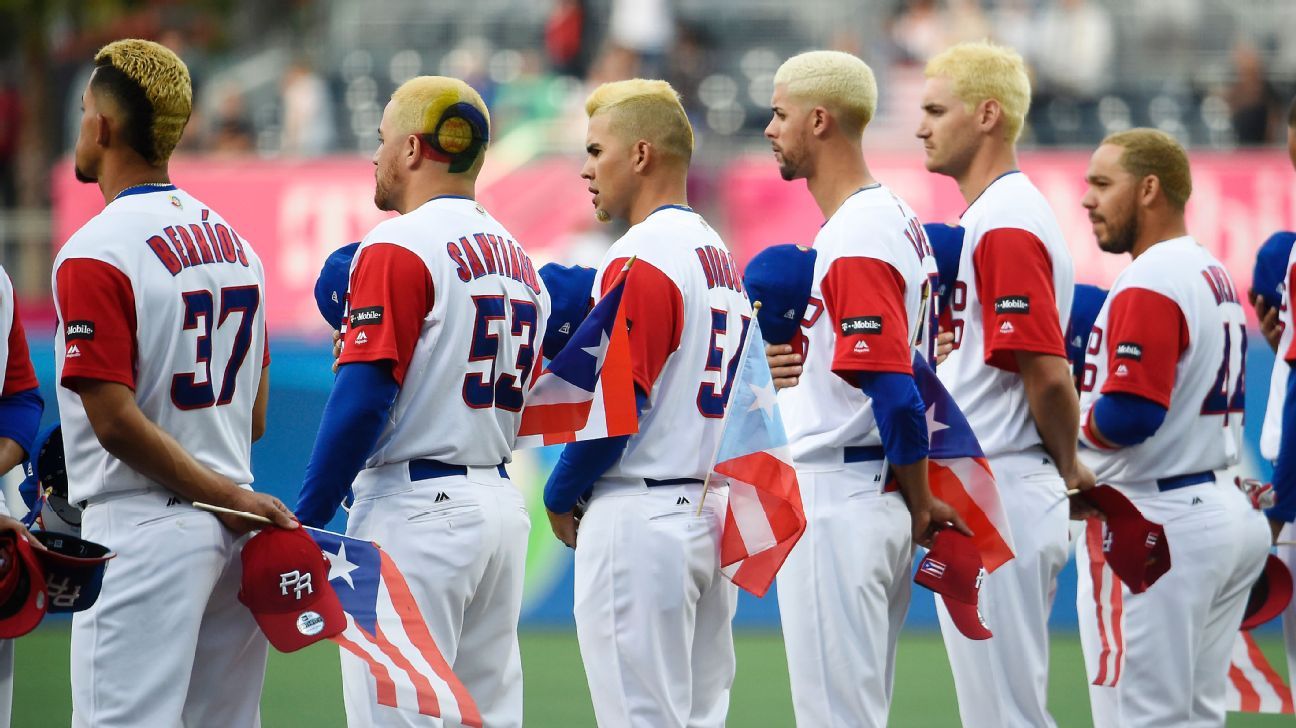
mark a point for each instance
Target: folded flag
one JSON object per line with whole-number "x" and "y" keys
{"x": 587, "y": 391}
{"x": 1254, "y": 686}
{"x": 958, "y": 471}
{"x": 385, "y": 630}
{"x": 764, "y": 518}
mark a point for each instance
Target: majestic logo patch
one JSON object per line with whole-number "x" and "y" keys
{"x": 367, "y": 316}
{"x": 441, "y": 497}
{"x": 1006, "y": 327}
{"x": 1121, "y": 371}
{"x": 361, "y": 338}
{"x": 79, "y": 330}
{"x": 565, "y": 328}
{"x": 1129, "y": 350}
{"x": 861, "y": 325}
{"x": 310, "y": 623}
{"x": 1012, "y": 304}
{"x": 73, "y": 351}
{"x": 861, "y": 347}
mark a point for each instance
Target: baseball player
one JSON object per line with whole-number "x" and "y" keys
{"x": 445, "y": 319}
{"x": 161, "y": 365}
{"x": 1162, "y": 419}
{"x": 856, "y": 423}
{"x": 652, "y": 608}
{"x": 1008, "y": 370}
{"x": 21, "y": 406}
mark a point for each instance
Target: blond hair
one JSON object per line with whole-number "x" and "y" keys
{"x": 983, "y": 70}
{"x": 839, "y": 81}
{"x": 450, "y": 109}
{"x": 647, "y": 110}
{"x": 1154, "y": 153}
{"x": 167, "y": 92}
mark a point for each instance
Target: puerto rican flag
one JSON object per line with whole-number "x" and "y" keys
{"x": 587, "y": 391}
{"x": 1254, "y": 686}
{"x": 385, "y": 630}
{"x": 958, "y": 471}
{"x": 765, "y": 517}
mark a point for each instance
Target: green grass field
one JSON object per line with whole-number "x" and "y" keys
{"x": 303, "y": 689}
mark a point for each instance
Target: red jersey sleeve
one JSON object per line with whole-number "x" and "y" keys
{"x": 391, "y": 293}
{"x": 265, "y": 350}
{"x": 1014, "y": 278}
{"x": 18, "y": 375}
{"x": 1290, "y": 355}
{"x": 864, "y": 298}
{"x": 654, "y": 310}
{"x": 1146, "y": 334}
{"x": 97, "y": 312}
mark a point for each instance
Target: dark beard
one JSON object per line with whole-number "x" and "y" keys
{"x": 1122, "y": 238}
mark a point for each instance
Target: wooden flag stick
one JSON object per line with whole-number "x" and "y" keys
{"x": 231, "y": 512}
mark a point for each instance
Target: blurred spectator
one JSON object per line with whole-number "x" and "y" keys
{"x": 688, "y": 64}
{"x": 1013, "y": 24}
{"x": 1074, "y": 52}
{"x": 307, "y": 113}
{"x": 10, "y": 122}
{"x": 964, "y": 20}
{"x": 1253, "y": 102}
{"x": 231, "y": 130}
{"x": 566, "y": 38}
{"x": 646, "y": 28}
{"x": 918, "y": 32}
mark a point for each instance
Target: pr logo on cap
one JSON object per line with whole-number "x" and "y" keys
{"x": 285, "y": 585}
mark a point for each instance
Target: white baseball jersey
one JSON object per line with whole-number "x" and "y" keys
{"x": 1172, "y": 331}
{"x": 1013, "y": 293}
{"x": 874, "y": 277}
{"x": 159, "y": 293}
{"x": 689, "y": 318}
{"x": 449, "y": 297}
{"x": 16, "y": 373}
{"x": 1271, "y": 433}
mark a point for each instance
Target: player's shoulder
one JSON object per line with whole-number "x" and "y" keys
{"x": 1013, "y": 202}
{"x": 874, "y": 223}
{"x": 1175, "y": 268}
{"x": 667, "y": 239}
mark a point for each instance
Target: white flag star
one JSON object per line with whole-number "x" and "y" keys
{"x": 765, "y": 399}
{"x": 598, "y": 352}
{"x": 934, "y": 426}
{"x": 339, "y": 567}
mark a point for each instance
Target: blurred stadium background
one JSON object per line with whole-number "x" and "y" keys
{"x": 288, "y": 94}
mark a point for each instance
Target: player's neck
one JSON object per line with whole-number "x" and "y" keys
{"x": 416, "y": 195}
{"x": 116, "y": 176}
{"x": 838, "y": 175}
{"x": 1152, "y": 232}
{"x": 657, "y": 193}
{"x": 992, "y": 161}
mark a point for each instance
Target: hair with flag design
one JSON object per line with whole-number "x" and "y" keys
{"x": 765, "y": 517}
{"x": 587, "y": 391}
{"x": 385, "y": 630}
{"x": 958, "y": 471}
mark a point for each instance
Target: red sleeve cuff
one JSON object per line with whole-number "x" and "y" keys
{"x": 96, "y": 307}
{"x": 1146, "y": 335}
{"x": 1014, "y": 277}
{"x": 864, "y": 298}
{"x": 390, "y": 295}
{"x": 654, "y": 309}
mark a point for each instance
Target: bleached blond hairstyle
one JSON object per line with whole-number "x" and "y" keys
{"x": 419, "y": 105}
{"x": 647, "y": 110}
{"x": 167, "y": 94}
{"x": 1152, "y": 152}
{"x": 983, "y": 70}
{"x": 838, "y": 81}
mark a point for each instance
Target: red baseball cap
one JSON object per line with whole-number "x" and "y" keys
{"x": 953, "y": 569}
{"x": 22, "y": 587}
{"x": 285, "y": 584}
{"x": 1134, "y": 547}
{"x": 1269, "y": 595}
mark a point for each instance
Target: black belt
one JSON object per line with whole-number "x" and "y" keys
{"x": 428, "y": 469}
{"x": 863, "y": 454}
{"x": 1183, "y": 481}
{"x": 653, "y": 483}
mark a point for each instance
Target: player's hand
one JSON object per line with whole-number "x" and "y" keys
{"x": 337, "y": 349}
{"x": 930, "y": 517}
{"x": 944, "y": 345}
{"x": 15, "y": 526}
{"x": 785, "y": 366}
{"x": 564, "y": 526}
{"x": 1080, "y": 479}
{"x": 1270, "y": 326}
{"x": 261, "y": 504}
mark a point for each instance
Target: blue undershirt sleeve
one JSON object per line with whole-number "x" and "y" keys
{"x": 583, "y": 463}
{"x": 20, "y": 415}
{"x": 900, "y": 414}
{"x": 1284, "y": 476}
{"x": 357, "y": 410}
{"x": 1127, "y": 419}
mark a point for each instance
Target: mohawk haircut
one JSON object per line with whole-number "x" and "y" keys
{"x": 648, "y": 110}
{"x": 838, "y": 81}
{"x": 1152, "y": 152}
{"x": 449, "y": 114}
{"x": 151, "y": 86}
{"x": 983, "y": 70}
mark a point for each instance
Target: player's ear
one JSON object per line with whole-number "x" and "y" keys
{"x": 988, "y": 114}
{"x": 1148, "y": 189}
{"x": 103, "y": 130}
{"x": 820, "y": 120}
{"x": 412, "y": 153}
{"x": 642, "y": 154}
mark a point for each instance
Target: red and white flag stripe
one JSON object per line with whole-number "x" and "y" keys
{"x": 1108, "y": 603}
{"x": 968, "y": 485}
{"x": 1253, "y": 684}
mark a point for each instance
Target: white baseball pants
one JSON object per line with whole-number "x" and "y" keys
{"x": 843, "y": 593}
{"x": 1161, "y": 658}
{"x": 463, "y": 557}
{"x": 167, "y": 643}
{"x": 1002, "y": 682}
{"x": 653, "y": 612}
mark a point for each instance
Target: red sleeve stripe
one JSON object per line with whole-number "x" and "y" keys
{"x": 1146, "y": 334}
{"x": 1014, "y": 278}
{"x": 391, "y": 293}
{"x": 865, "y": 302}
{"x": 19, "y": 375}
{"x": 96, "y": 307}
{"x": 654, "y": 311}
